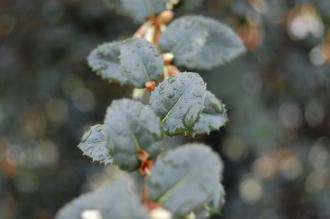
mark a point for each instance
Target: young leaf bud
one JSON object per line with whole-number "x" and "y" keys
{"x": 165, "y": 16}
{"x": 150, "y": 86}
{"x": 160, "y": 213}
{"x": 172, "y": 71}
{"x": 138, "y": 93}
{"x": 91, "y": 214}
{"x": 168, "y": 58}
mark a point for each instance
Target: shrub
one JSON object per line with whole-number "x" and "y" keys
{"x": 184, "y": 182}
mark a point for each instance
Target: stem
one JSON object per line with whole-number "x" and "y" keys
{"x": 152, "y": 30}
{"x": 145, "y": 170}
{"x": 145, "y": 193}
{"x": 158, "y": 31}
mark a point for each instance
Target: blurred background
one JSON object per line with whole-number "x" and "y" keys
{"x": 276, "y": 146}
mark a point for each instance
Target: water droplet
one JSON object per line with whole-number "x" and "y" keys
{"x": 170, "y": 96}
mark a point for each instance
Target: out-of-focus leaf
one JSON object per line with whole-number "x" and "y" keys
{"x": 178, "y": 101}
{"x": 185, "y": 179}
{"x": 131, "y": 62}
{"x": 115, "y": 201}
{"x": 129, "y": 127}
{"x": 198, "y": 42}
{"x": 203, "y": 214}
{"x": 190, "y": 4}
{"x": 139, "y": 10}
{"x": 212, "y": 117}
{"x": 93, "y": 145}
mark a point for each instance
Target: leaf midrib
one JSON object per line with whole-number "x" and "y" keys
{"x": 164, "y": 197}
{"x": 172, "y": 107}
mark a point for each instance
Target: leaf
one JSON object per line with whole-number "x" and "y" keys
{"x": 214, "y": 206}
{"x": 218, "y": 200}
{"x": 212, "y": 117}
{"x": 93, "y": 145}
{"x": 185, "y": 39}
{"x": 129, "y": 127}
{"x": 114, "y": 201}
{"x": 198, "y": 42}
{"x": 139, "y": 10}
{"x": 184, "y": 179}
{"x": 140, "y": 62}
{"x": 178, "y": 101}
{"x": 132, "y": 62}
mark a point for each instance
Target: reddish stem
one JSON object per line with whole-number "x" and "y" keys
{"x": 145, "y": 169}
{"x": 146, "y": 162}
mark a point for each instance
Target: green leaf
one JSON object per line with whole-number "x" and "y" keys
{"x": 115, "y": 201}
{"x": 198, "y": 42}
{"x": 178, "y": 101}
{"x": 129, "y": 127}
{"x": 215, "y": 205}
{"x": 139, "y": 10}
{"x": 93, "y": 145}
{"x": 184, "y": 179}
{"x": 132, "y": 62}
{"x": 218, "y": 200}
{"x": 140, "y": 62}
{"x": 212, "y": 117}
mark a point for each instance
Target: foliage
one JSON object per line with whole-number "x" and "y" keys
{"x": 180, "y": 183}
{"x": 130, "y": 127}
{"x": 185, "y": 180}
{"x": 277, "y": 96}
{"x": 200, "y": 43}
{"x": 100, "y": 202}
{"x": 132, "y": 62}
{"x": 93, "y": 144}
